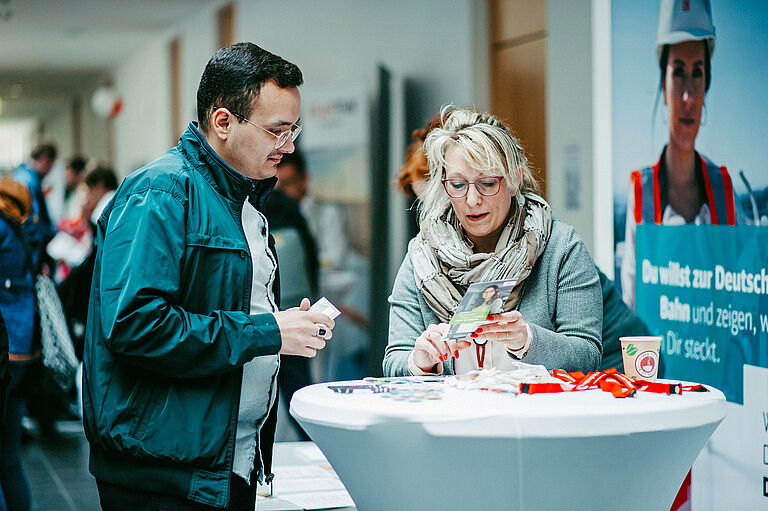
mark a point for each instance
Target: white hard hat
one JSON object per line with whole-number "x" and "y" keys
{"x": 685, "y": 20}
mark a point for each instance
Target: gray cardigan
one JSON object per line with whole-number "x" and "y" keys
{"x": 561, "y": 301}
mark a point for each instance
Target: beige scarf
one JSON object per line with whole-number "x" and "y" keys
{"x": 444, "y": 263}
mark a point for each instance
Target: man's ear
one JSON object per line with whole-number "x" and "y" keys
{"x": 221, "y": 123}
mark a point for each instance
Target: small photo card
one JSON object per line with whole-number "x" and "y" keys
{"x": 480, "y": 300}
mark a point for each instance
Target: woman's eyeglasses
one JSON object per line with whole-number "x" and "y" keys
{"x": 487, "y": 186}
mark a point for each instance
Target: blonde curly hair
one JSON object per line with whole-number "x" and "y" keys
{"x": 485, "y": 143}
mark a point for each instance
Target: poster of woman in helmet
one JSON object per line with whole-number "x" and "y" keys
{"x": 691, "y": 214}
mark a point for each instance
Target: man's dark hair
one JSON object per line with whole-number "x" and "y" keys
{"x": 234, "y": 76}
{"x": 104, "y": 176}
{"x": 296, "y": 159}
{"x": 44, "y": 149}
{"x": 77, "y": 163}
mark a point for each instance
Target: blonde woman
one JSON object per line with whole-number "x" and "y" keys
{"x": 481, "y": 219}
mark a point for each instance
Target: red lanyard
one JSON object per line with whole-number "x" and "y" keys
{"x": 480, "y": 354}
{"x": 618, "y": 384}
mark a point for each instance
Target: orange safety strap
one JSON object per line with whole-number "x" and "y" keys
{"x": 617, "y": 389}
{"x": 728, "y": 188}
{"x": 544, "y": 388}
{"x": 637, "y": 181}
{"x": 661, "y": 388}
{"x": 590, "y": 380}
{"x": 567, "y": 377}
{"x": 710, "y": 193}
{"x": 656, "y": 194}
{"x": 612, "y": 381}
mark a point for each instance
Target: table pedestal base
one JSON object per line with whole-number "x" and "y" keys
{"x": 402, "y": 466}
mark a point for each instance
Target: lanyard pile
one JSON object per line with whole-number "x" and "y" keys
{"x": 610, "y": 380}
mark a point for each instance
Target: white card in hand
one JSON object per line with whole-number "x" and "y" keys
{"x": 323, "y": 306}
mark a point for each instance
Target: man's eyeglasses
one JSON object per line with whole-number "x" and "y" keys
{"x": 282, "y": 137}
{"x": 458, "y": 188}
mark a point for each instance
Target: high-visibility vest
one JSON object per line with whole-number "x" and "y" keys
{"x": 717, "y": 182}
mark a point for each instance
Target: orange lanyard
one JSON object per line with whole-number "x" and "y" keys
{"x": 480, "y": 354}
{"x": 610, "y": 380}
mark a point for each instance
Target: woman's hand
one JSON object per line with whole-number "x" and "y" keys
{"x": 508, "y": 328}
{"x": 430, "y": 349}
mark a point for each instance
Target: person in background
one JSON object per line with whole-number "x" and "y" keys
{"x": 414, "y": 174}
{"x": 618, "y": 319}
{"x": 44, "y": 400}
{"x": 343, "y": 276}
{"x": 326, "y": 220}
{"x": 100, "y": 185}
{"x": 683, "y": 186}
{"x": 481, "y": 220}
{"x": 297, "y": 256}
{"x": 17, "y": 306}
{"x": 72, "y": 244}
{"x": 5, "y": 372}
{"x": 38, "y": 228}
{"x": 74, "y": 172}
{"x": 184, "y": 334}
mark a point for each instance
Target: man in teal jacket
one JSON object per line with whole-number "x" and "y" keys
{"x": 184, "y": 332}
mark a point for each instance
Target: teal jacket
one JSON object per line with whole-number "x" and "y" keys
{"x": 169, "y": 329}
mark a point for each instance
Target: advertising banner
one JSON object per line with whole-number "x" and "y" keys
{"x": 702, "y": 287}
{"x": 704, "y": 290}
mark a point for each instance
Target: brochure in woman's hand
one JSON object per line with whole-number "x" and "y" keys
{"x": 480, "y": 300}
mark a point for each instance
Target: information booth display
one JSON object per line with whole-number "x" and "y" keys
{"x": 469, "y": 449}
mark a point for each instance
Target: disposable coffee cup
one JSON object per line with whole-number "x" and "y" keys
{"x": 641, "y": 356}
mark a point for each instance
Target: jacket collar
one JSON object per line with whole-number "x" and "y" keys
{"x": 224, "y": 179}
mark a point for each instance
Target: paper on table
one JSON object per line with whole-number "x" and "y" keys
{"x": 320, "y": 500}
{"x": 310, "y": 452}
{"x": 294, "y": 471}
{"x": 306, "y": 484}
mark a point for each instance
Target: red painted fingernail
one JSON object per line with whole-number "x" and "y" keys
{"x": 456, "y": 353}
{"x": 473, "y": 335}
{"x": 441, "y": 358}
{"x": 490, "y": 317}
{"x": 478, "y": 330}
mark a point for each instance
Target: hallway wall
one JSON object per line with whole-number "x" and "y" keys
{"x": 431, "y": 43}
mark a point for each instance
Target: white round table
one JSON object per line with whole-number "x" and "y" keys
{"x": 489, "y": 451}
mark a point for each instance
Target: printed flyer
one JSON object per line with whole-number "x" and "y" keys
{"x": 480, "y": 300}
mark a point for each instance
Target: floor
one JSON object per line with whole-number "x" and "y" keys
{"x": 57, "y": 469}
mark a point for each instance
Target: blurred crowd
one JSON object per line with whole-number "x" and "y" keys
{"x": 46, "y": 229}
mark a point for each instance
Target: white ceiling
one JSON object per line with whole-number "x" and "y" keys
{"x": 82, "y": 34}
{"x": 51, "y": 48}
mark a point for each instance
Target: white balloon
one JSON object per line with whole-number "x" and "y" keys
{"x": 106, "y": 102}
